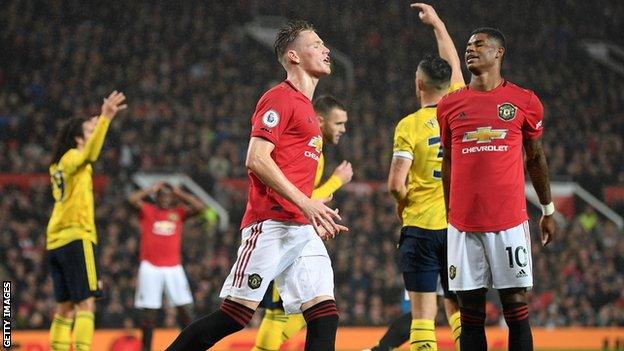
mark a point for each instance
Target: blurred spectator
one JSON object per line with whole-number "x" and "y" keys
{"x": 588, "y": 219}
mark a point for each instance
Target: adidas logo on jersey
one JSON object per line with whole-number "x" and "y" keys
{"x": 426, "y": 346}
{"x": 521, "y": 274}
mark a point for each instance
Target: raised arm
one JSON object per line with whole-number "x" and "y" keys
{"x": 259, "y": 161}
{"x": 93, "y": 145}
{"x": 446, "y": 48}
{"x": 136, "y": 198}
{"x": 195, "y": 205}
{"x": 538, "y": 172}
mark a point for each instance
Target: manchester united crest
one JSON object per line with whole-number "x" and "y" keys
{"x": 507, "y": 111}
{"x": 452, "y": 272}
{"x": 254, "y": 281}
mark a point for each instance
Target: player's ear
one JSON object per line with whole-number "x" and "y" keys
{"x": 293, "y": 57}
{"x": 321, "y": 119}
{"x": 500, "y": 52}
{"x": 79, "y": 140}
{"x": 420, "y": 84}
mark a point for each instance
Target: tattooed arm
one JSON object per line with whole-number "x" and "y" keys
{"x": 396, "y": 181}
{"x": 398, "y": 177}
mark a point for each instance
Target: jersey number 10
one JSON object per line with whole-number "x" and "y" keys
{"x": 520, "y": 254}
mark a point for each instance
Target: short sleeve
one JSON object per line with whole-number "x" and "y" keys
{"x": 271, "y": 117}
{"x": 533, "y": 123}
{"x": 403, "y": 144}
{"x": 445, "y": 131}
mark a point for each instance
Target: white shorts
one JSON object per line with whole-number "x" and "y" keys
{"x": 498, "y": 260}
{"x": 291, "y": 254}
{"x": 153, "y": 279}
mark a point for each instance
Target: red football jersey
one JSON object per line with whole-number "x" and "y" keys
{"x": 286, "y": 118}
{"x": 161, "y": 234}
{"x": 484, "y": 132}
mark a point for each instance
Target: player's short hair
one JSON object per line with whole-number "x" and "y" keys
{"x": 66, "y": 138}
{"x": 437, "y": 72}
{"x": 325, "y": 103}
{"x": 492, "y": 33}
{"x": 287, "y": 34}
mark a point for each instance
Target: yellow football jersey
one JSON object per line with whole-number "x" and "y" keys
{"x": 330, "y": 186}
{"x": 417, "y": 137}
{"x": 72, "y": 187}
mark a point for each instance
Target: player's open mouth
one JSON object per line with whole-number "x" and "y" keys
{"x": 471, "y": 57}
{"x": 327, "y": 61}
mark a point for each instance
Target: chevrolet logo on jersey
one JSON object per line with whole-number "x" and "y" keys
{"x": 485, "y": 135}
{"x": 317, "y": 143}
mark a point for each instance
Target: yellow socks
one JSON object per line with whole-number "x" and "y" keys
{"x": 60, "y": 333}
{"x": 83, "y": 330}
{"x": 270, "y": 333}
{"x": 422, "y": 335}
{"x": 455, "y": 323}
{"x": 295, "y": 323}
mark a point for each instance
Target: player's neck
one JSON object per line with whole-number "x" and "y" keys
{"x": 304, "y": 82}
{"x": 429, "y": 99}
{"x": 485, "y": 81}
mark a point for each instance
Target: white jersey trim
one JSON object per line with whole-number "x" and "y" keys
{"x": 403, "y": 154}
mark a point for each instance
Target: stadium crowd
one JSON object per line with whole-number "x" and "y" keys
{"x": 191, "y": 76}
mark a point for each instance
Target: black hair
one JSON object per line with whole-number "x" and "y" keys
{"x": 325, "y": 103}
{"x": 437, "y": 72}
{"x": 66, "y": 138}
{"x": 492, "y": 33}
{"x": 287, "y": 34}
